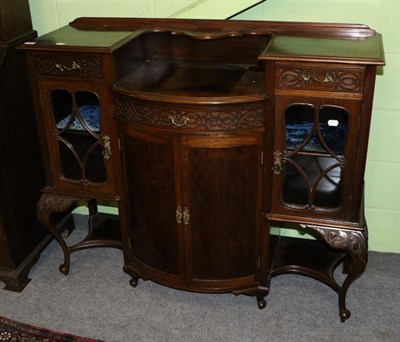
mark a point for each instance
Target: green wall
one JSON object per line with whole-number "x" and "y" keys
{"x": 383, "y": 167}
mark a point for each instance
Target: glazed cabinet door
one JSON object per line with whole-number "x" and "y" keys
{"x": 152, "y": 192}
{"x": 221, "y": 199}
{"x": 79, "y": 134}
{"x": 314, "y": 152}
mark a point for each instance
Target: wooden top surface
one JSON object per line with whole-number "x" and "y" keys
{"x": 365, "y": 51}
{"x": 347, "y": 43}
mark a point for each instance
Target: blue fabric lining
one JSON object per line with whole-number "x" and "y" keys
{"x": 89, "y": 114}
{"x": 334, "y": 137}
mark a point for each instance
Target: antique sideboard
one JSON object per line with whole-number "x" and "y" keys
{"x": 205, "y": 134}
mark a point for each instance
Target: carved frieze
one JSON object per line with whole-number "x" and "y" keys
{"x": 248, "y": 116}
{"x": 69, "y": 66}
{"x": 325, "y": 79}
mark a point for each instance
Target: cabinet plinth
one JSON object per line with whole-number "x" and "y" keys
{"x": 205, "y": 138}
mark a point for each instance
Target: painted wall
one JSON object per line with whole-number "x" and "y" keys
{"x": 383, "y": 168}
{"x": 48, "y": 15}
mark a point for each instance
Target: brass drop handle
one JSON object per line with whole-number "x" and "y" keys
{"x": 106, "y": 147}
{"x": 277, "y": 168}
{"x": 74, "y": 66}
{"x": 327, "y": 78}
{"x": 179, "y": 123}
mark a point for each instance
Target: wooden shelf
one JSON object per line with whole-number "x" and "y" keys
{"x": 193, "y": 82}
{"x": 311, "y": 258}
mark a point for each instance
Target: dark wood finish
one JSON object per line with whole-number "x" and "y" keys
{"x": 103, "y": 229}
{"x": 198, "y": 123}
{"x": 15, "y": 20}
{"x": 344, "y": 211}
{"x": 278, "y": 27}
{"x": 22, "y": 238}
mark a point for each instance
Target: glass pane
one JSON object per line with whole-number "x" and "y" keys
{"x": 299, "y": 121}
{"x": 80, "y": 148}
{"x": 95, "y": 170}
{"x": 315, "y": 139}
{"x": 312, "y": 180}
{"x": 69, "y": 164}
{"x": 88, "y": 109}
{"x": 62, "y": 108}
{"x": 334, "y": 123}
{"x": 295, "y": 187}
{"x": 327, "y": 192}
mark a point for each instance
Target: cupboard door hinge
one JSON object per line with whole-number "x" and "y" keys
{"x": 359, "y": 123}
{"x": 119, "y": 144}
{"x": 129, "y": 244}
{"x": 259, "y": 262}
{"x": 262, "y": 157}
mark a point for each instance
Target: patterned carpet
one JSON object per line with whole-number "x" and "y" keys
{"x": 12, "y": 331}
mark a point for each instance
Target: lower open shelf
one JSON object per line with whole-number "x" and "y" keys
{"x": 312, "y": 258}
{"x": 104, "y": 231}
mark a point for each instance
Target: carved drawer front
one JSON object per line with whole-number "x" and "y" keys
{"x": 186, "y": 117}
{"x": 69, "y": 65}
{"x": 319, "y": 77}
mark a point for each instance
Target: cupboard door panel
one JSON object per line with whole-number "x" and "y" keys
{"x": 150, "y": 180}
{"x": 222, "y": 191}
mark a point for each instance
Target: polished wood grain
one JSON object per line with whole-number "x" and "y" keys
{"x": 197, "y": 155}
{"x": 15, "y": 21}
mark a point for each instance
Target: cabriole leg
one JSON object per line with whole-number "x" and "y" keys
{"x": 355, "y": 243}
{"x": 48, "y": 205}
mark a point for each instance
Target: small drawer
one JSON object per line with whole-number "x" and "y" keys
{"x": 335, "y": 78}
{"x": 69, "y": 66}
{"x": 193, "y": 118}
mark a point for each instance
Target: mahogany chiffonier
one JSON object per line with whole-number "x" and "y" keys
{"x": 22, "y": 238}
{"x": 206, "y": 133}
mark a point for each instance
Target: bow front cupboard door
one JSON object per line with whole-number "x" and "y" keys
{"x": 194, "y": 208}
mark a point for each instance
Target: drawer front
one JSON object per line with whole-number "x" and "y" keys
{"x": 69, "y": 66}
{"x": 186, "y": 117}
{"x": 319, "y": 77}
